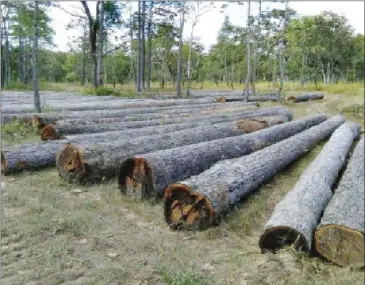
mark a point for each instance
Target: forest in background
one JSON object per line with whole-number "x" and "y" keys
{"x": 275, "y": 46}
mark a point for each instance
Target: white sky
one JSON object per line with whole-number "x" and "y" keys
{"x": 209, "y": 24}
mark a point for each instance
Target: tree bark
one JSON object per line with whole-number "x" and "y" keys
{"x": 148, "y": 175}
{"x": 143, "y": 56}
{"x": 339, "y": 236}
{"x": 203, "y": 199}
{"x": 21, "y": 61}
{"x": 83, "y": 71}
{"x": 57, "y": 130}
{"x": 296, "y": 216}
{"x": 139, "y": 72}
{"x": 149, "y": 36}
{"x": 248, "y": 55}
{"x": 304, "y": 97}
{"x": 100, "y": 16}
{"x": 281, "y": 51}
{"x": 37, "y": 102}
{"x": 179, "y": 59}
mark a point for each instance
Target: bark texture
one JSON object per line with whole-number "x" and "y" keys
{"x": 57, "y": 131}
{"x": 296, "y": 216}
{"x": 147, "y": 175}
{"x": 202, "y": 199}
{"x": 305, "y": 97}
{"x": 340, "y": 234}
{"x": 88, "y": 162}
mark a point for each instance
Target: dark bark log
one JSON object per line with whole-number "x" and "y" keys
{"x": 202, "y": 199}
{"x": 304, "y": 97}
{"x": 340, "y": 234}
{"x": 56, "y": 131}
{"x": 260, "y": 98}
{"x": 92, "y": 162}
{"x": 41, "y": 120}
{"x": 296, "y": 216}
{"x": 147, "y": 175}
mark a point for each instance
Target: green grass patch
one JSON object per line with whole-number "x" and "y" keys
{"x": 186, "y": 277}
{"x": 19, "y": 132}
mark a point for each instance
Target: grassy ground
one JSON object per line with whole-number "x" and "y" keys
{"x": 57, "y": 233}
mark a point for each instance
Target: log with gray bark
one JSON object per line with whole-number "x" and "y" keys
{"x": 56, "y": 131}
{"x": 304, "y": 97}
{"x": 40, "y": 155}
{"x": 202, "y": 199}
{"x": 296, "y": 216}
{"x": 339, "y": 236}
{"x": 41, "y": 120}
{"x": 147, "y": 175}
{"x": 252, "y": 98}
{"x": 91, "y": 162}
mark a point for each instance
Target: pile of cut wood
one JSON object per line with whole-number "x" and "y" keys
{"x": 202, "y": 156}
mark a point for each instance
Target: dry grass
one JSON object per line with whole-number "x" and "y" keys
{"x": 57, "y": 233}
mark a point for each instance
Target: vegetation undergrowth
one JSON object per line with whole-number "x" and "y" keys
{"x": 18, "y": 132}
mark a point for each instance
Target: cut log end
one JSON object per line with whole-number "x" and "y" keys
{"x": 340, "y": 245}
{"x": 48, "y": 133}
{"x": 185, "y": 209}
{"x": 37, "y": 122}
{"x": 3, "y": 163}
{"x": 290, "y": 99}
{"x": 70, "y": 162}
{"x": 221, "y": 99}
{"x": 135, "y": 178}
{"x": 249, "y": 126}
{"x": 276, "y": 238}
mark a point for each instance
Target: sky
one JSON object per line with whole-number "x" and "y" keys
{"x": 206, "y": 30}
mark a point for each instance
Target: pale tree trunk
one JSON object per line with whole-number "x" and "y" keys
{"x": 99, "y": 65}
{"x": 248, "y": 55}
{"x": 149, "y": 35}
{"x": 179, "y": 60}
{"x": 281, "y": 51}
{"x": 191, "y": 48}
{"x": 139, "y": 72}
{"x": 143, "y": 58}
{"x": 83, "y": 72}
{"x": 37, "y": 103}
{"x": 256, "y": 57}
{"x": 132, "y": 61}
{"x": 302, "y": 70}
{"x": 21, "y": 61}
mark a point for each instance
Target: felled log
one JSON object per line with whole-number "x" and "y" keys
{"x": 296, "y": 216}
{"x": 41, "y": 120}
{"x": 56, "y": 131}
{"x": 147, "y": 175}
{"x": 252, "y": 98}
{"x": 340, "y": 234}
{"x": 202, "y": 199}
{"x": 304, "y": 97}
{"x": 88, "y": 162}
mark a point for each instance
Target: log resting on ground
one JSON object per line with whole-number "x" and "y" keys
{"x": 148, "y": 175}
{"x": 304, "y": 97}
{"x": 88, "y": 162}
{"x": 252, "y": 98}
{"x": 203, "y": 199}
{"x": 296, "y": 216}
{"x": 340, "y": 234}
{"x": 43, "y": 154}
{"x": 41, "y": 120}
{"x": 52, "y": 132}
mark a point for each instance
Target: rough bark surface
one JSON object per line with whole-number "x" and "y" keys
{"x": 340, "y": 234}
{"x": 202, "y": 199}
{"x": 304, "y": 97}
{"x": 147, "y": 175}
{"x": 89, "y": 162}
{"x": 296, "y": 216}
{"x": 56, "y": 131}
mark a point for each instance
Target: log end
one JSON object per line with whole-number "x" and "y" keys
{"x": 48, "y": 133}
{"x": 3, "y": 163}
{"x": 135, "y": 178}
{"x": 340, "y": 245}
{"x": 290, "y": 99}
{"x": 70, "y": 163}
{"x": 185, "y": 209}
{"x": 276, "y": 238}
{"x": 37, "y": 122}
{"x": 221, "y": 99}
{"x": 249, "y": 125}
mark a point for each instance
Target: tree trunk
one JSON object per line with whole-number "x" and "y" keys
{"x": 179, "y": 59}
{"x": 92, "y": 162}
{"x": 189, "y": 59}
{"x": 83, "y": 71}
{"x": 143, "y": 56}
{"x": 21, "y": 61}
{"x": 148, "y": 175}
{"x": 304, "y": 97}
{"x": 139, "y": 72}
{"x": 340, "y": 234}
{"x": 248, "y": 55}
{"x": 296, "y": 216}
{"x": 149, "y": 35}
{"x": 37, "y": 102}
{"x": 281, "y": 51}
{"x": 100, "y": 19}
{"x": 58, "y": 130}
{"x": 200, "y": 200}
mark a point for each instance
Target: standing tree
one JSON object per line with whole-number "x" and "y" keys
{"x": 282, "y": 44}
{"x": 37, "y": 102}
{"x": 179, "y": 60}
{"x": 248, "y": 55}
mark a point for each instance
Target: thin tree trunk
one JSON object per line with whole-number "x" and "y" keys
{"x": 191, "y": 50}
{"x": 99, "y": 74}
{"x": 248, "y": 54}
{"x": 179, "y": 60}
{"x": 37, "y": 103}
{"x": 139, "y": 72}
{"x": 149, "y": 35}
{"x": 143, "y": 58}
{"x": 281, "y": 51}
{"x": 83, "y": 72}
